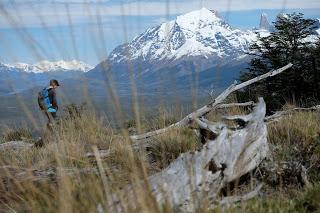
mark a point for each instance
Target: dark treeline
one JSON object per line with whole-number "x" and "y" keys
{"x": 290, "y": 42}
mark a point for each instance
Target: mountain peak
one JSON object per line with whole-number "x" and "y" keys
{"x": 198, "y": 18}
{"x": 264, "y": 22}
{"x": 200, "y": 14}
{"x": 198, "y": 34}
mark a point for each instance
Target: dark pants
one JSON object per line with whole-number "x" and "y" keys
{"x": 52, "y": 117}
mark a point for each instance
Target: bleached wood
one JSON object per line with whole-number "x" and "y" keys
{"x": 280, "y": 114}
{"x": 231, "y": 155}
{"x": 244, "y": 118}
{"x": 245, "y": 104}
{"x": 207, "y": 108}
{"x": 227, "y": 201}
{"x": 102, "y": 154}
{"x": 210, "y": 126}
{"x": 15, "y": 145}
{"x": 51, "y": 173}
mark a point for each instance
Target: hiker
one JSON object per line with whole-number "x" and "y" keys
{"x": 48, "y": 103}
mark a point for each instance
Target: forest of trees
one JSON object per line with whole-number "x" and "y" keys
{"x": 292, "y": 41}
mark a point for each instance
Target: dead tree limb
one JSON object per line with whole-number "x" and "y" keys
{"x": 221, "y": 161}
{"x": 15, "y": 145}
{"x": 51, "y": 173}
{"x": 207, "y": 108}
{"x": 102, "y": 154}
{"x": 227, "y": 201}
{"x": 278, "y": 115}
{"x": 222, "y": 106}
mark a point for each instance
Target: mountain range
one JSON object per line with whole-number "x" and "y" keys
{"x": 21, "y": 76}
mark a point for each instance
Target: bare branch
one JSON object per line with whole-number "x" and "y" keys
{"x": 250, "y": 103}
{"x": 206, "y": 109}
{"x": 15, "y": 145}
{"x": 280, "y": 114}
{"x": 227, "y": 201}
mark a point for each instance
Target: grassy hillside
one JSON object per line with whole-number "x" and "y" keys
{"x": 62, "y": 176}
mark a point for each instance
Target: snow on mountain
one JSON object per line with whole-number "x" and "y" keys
{"x": 47, "y": 66}
{"x": 283, "y": 15}
{"x": 199, "y": 34}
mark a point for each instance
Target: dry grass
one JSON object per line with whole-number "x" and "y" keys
{"x": 297, "y": 138}
{"x": 20, "y": 133}
{"x": 66, "y": 148}
{"x": 75, "y": 136}
{"x": 169, "y": 146}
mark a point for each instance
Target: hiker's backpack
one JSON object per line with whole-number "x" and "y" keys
{"x": 44, "y": 100}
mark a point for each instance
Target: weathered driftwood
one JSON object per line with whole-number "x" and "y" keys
{"x": 275, "y": 117}
{"x": 245, "y": 104}
{"x": 207, "y": 108}
{"x": 280, "y": 114}
{"x": 102, "y": 154}
{"x": 203, "y": 174}
{"x": 227, "y": 201}
{"x": 15, "y": 145}
{"x": 52, "y": 173}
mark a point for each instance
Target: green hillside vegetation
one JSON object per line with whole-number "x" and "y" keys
{"x": 292, "y": 41}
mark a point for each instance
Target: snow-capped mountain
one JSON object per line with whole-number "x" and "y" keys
{"x": 200, "y": 36}
{"x": 47, "y": 66}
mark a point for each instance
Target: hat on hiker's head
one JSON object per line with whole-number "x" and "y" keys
{"x": 54, "y": 82}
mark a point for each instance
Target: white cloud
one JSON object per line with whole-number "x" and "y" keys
{"x": 85, "y": 11}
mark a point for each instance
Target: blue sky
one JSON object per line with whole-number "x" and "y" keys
{"x": 31, "y": 30}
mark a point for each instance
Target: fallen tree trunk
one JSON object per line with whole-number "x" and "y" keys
{"x": 203, "y": 174}
{"x": 206, "y": 109}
